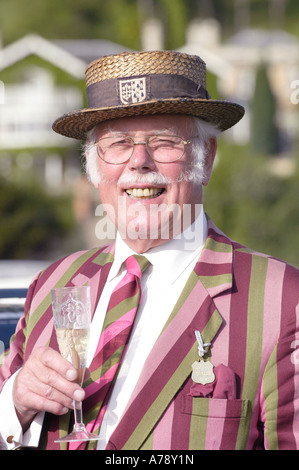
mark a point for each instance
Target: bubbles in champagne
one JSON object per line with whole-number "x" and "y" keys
{"x": 73, "y": 345}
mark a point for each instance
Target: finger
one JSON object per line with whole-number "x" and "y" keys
{"x": 44, "y": 374}
{"x": 31, "y": 395}
{"x": 28, "y": 400}
{"x": 55, "y": 388}
{"x": 54, "y": 360}
{"x": 52, "y": 384}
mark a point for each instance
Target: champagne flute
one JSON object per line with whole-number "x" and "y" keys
{"x": 72, "y": 317}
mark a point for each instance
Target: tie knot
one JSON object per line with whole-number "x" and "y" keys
{"x": 137, "y": 264}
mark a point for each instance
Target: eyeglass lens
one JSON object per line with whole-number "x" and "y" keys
{"x": 165, "y": 148}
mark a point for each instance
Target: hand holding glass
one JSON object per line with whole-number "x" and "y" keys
{"x": 72, "y": 316}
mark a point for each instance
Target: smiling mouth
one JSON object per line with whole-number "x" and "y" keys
{"x": 144, "y": 193}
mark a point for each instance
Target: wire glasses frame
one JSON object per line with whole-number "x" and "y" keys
{"x": 119, "y": 149}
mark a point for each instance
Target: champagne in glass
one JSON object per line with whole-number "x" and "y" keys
{"x": 72, "y": 317}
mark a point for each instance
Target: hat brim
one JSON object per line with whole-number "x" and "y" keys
{"x": 223, "y": 114}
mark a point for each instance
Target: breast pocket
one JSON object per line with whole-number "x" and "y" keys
{"x": 217, "y": 423}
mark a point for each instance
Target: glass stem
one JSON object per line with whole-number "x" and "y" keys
{"x": 78, "y": 426}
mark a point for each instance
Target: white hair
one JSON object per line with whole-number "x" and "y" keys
{"x": 204, "y": 130}
{"x": 91, "y": 157}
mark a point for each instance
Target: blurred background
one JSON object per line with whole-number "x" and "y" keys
{"x": 48, "y": 209}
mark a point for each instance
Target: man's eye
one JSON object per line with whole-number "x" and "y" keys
{"x": 120, "y": 142}
{"x": 164, "y": 142}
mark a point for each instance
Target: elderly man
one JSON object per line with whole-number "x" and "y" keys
{"x": 210, "y": 361}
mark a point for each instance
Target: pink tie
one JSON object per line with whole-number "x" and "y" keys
{"x": 114, "y": 338}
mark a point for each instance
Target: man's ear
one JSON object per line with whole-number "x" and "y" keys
{"x": 210, "y": 149}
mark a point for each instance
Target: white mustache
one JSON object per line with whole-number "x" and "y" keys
{"x": 147, "y": 178}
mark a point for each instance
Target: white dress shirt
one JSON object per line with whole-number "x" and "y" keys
{"x": 162, "y": 283}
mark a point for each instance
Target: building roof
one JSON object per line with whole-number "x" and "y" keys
{"x": 261, "y": 37}
{"x": 88, "y": 50}
{"x": 72, "y": 56}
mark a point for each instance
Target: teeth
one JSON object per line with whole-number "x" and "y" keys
{"x": 143, "y": 192}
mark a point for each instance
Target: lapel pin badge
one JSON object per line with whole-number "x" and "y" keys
{"x": 202, "y": 370}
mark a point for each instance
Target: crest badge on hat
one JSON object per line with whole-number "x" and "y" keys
{"x": 132, "y": 91}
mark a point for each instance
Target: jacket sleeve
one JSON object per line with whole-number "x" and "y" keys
{"x": 13, "y": 358}
{"x": 280, "y": 386}
{"x": 13, "y": 361}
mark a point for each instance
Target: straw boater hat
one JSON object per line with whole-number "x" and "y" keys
{"x": 141, "y": 83}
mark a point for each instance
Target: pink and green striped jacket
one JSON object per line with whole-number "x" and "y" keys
{"x": 244, "y": 303}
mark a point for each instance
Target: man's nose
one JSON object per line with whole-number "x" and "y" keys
{"x": 141, "y": 158}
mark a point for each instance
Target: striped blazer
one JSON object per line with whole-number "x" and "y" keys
{"x": 244, "y": 303}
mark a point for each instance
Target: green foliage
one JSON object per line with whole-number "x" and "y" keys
{"x": 115, "y": 20}
{"x": 252, "y": 205}
{"x": 31, "y": 221}
{"x": 120, "y": 20}
{"x": 264, "y": 131}
{"x": 175, "y": 18}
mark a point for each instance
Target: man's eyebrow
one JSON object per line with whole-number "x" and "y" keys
{"x": 165, "y": 131}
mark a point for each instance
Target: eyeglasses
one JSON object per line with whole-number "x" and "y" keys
{"x": 163, "y": 148}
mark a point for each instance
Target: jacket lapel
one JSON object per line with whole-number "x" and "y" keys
{"x": 169, "y": 363}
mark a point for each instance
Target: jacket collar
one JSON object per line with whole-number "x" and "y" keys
{"x": 215, "y": 265}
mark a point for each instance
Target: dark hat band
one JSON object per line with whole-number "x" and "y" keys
{"x": 129, "y": 90}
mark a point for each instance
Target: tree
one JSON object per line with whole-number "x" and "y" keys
{"x": 252, "y": 205}
{"x": 264, "y": 131}
{"x": 32, "y": 222}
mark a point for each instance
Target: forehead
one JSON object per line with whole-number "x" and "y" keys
{"x": 177, "y": 124}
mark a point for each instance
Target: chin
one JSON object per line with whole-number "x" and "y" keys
{"x": 148, "y": 230}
